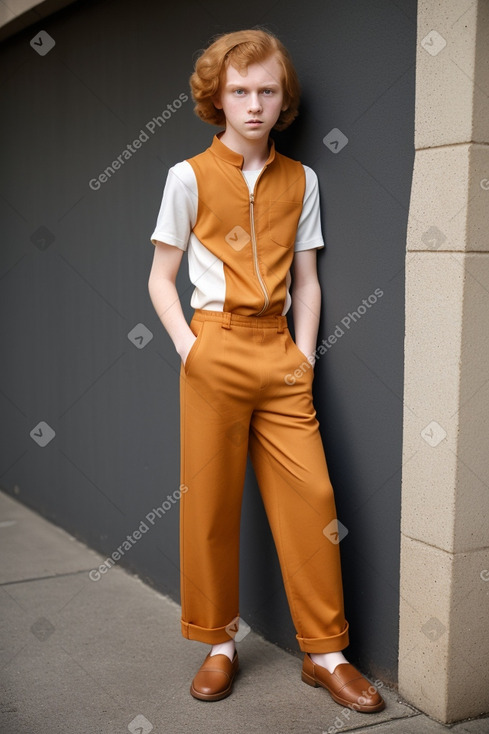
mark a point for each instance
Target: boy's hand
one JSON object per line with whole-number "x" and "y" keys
{"x": 186, "y": 347}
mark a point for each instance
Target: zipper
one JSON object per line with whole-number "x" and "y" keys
{"x": 266, "y": 297}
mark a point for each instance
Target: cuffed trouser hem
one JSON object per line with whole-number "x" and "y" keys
{"x": 324, "y": 644}
{"x": 210, "y": 636}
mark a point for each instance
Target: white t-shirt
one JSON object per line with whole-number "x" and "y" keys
{"x": 177, "y": 217}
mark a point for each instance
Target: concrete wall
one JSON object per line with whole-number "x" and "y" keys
{"x": 444, "y": 646}
{"x": 18, "y": 14}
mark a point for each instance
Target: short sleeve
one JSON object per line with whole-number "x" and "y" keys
{"x": 309, "y": 235}
{"x": 178, "y": 210}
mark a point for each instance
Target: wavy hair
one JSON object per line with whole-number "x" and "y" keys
{"x": 240, "y": 49}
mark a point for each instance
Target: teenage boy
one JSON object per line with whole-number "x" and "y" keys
{"x": 248, "y": 216}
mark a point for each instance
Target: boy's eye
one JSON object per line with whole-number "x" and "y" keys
{"x": 240, "y": 92}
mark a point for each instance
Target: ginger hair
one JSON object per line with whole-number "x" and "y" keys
{"x": 240, "y": 49}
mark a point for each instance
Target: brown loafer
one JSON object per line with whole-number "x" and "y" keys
{"x": 215, "y": 678}
{"x": 346, "y": 685}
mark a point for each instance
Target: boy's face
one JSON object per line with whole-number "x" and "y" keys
{"x": 252, "y": 101}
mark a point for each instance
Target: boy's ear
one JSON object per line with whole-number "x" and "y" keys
{"x": 216, "y": 101}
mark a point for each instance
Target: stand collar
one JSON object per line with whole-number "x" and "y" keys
{"x": 236, "y": 159}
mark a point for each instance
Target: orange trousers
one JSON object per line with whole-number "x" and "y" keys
{"x": 238, "y": 394}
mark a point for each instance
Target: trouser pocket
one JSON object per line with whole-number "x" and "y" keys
{"x": 197, "y": 328}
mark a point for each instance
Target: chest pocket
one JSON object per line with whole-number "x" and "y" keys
{"x": 283, "y": 218}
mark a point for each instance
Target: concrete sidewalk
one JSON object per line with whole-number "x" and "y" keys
{"x": 86, "y": 657}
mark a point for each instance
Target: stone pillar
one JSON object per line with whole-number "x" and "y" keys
{"x": 444, "y": 605}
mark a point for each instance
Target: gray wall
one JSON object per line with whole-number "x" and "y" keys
{"x": 75, "y": 263}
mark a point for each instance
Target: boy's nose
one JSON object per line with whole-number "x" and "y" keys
{"x": 254, "y": 103}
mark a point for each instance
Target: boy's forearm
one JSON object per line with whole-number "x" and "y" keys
{"x": 306, "y": 309}
{"x": 166, "y": 302}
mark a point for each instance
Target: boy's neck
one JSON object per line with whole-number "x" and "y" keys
{"x": 255, "y": 152}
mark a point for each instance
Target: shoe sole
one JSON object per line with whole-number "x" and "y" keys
{"x": 354, "y": 706}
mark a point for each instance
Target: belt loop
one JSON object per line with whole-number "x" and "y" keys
{"x": 280, "y": 324}
{"x": 226, "y": 320}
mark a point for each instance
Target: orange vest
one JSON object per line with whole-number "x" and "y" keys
{"x": 253, "y": 234}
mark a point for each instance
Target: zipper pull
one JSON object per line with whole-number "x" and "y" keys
{"x": 252, "y": 197}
